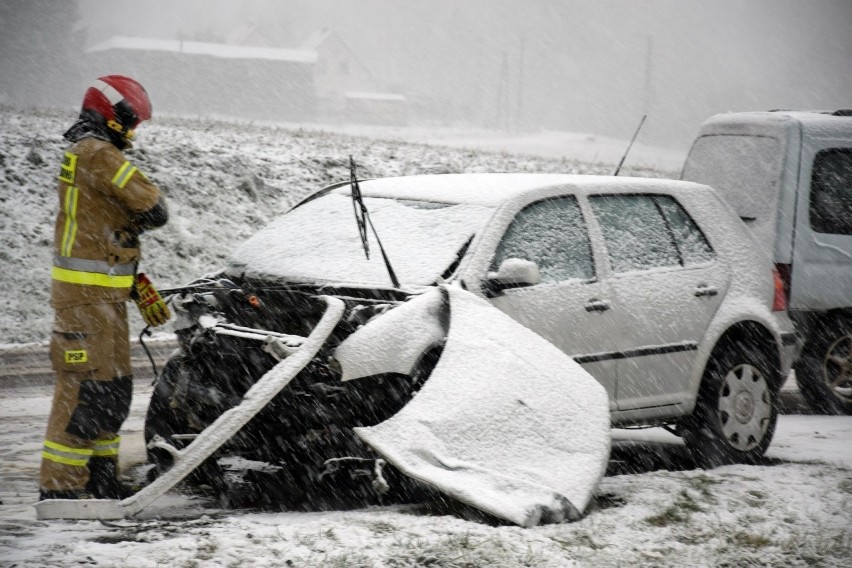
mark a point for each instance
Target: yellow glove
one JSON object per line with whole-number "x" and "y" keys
{"x": 151, "y": 305}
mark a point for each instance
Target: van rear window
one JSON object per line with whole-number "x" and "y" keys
{"x": 831, "y": 192}
{"x": 744, "y": 169}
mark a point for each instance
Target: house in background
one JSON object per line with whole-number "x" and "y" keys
{"x": 213, "y": 79}
{"x": 346, "y": 89}
{"x": 321, "y": 81}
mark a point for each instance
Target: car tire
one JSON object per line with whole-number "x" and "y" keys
{"x": 162, "y": 419}
{"x": 736, "y": 411}
{"x": 165, "y": 420}
{"x": 824, "y": 370}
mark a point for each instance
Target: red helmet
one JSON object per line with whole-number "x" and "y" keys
{"x": 121, "y": 101}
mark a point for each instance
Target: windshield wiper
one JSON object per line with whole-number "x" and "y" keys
{"x": 362, "y": 218}
{"x": 459, "y": 256}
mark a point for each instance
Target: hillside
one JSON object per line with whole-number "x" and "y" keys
{"x": 223, "y": 181}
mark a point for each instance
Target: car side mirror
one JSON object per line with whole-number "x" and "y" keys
{"x": 513, "y": 273}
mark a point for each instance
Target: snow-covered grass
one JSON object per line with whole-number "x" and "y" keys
{"x": 223, "y": 182}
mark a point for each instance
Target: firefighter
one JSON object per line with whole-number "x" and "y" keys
{"x": 105, "y": 204}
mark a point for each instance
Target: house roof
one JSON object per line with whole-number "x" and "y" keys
{"x": 316, "y": 39}
{"x": 202, "y": 48}
{"x": 374, "y": 96}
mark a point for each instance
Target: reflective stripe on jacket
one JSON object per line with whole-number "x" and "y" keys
{"x": 93, "y": 272}
{"x": 96, "y": 250}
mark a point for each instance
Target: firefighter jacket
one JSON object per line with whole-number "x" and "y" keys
{"x": 105, "y": 203}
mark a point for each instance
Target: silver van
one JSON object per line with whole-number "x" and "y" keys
{"x": 788, "y": 174}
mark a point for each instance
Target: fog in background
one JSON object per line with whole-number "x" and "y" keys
{"x": 515, "y": 65}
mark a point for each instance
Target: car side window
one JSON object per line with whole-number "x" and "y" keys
{"x": 551, "y": 233}
{"x": 831, "y": 192}
{"x": 690, "y": 241}
{"x": 635, "y": 232}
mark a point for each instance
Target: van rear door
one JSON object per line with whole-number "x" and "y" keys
{"x": 752, "y": 161}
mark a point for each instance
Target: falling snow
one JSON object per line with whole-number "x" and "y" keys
{"x": 653, "y": 508}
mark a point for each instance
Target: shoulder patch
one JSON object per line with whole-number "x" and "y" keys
{"x": 68, "y": 170}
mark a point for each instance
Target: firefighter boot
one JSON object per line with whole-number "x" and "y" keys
{"x": 103, "y": 480}
{"x": 45, "y": 494}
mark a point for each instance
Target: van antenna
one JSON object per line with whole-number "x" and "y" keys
{"x": 635, "y": 134}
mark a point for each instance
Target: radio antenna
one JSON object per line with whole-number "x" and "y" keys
{"x": 635, "y": 134}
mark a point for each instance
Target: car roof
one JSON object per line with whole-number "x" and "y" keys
{"x": 496, "y": 188}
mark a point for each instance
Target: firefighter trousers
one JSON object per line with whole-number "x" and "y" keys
{"x": 90, "y": 353}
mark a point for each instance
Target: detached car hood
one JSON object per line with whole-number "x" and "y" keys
{"x": 506, "y": 422}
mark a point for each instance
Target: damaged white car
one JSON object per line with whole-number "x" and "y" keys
{"x": 370, "y": 352}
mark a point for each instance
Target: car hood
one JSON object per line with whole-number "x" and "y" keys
{"x": 506, "y": 422}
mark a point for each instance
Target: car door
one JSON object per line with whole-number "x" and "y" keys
{"x": 666, "y": 284}
{"x": 569, "y": 307}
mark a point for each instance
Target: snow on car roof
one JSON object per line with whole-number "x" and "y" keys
{"x": 762, "y": 123}
{"x": 494, "y": 188}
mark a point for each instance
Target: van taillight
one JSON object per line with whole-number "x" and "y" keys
{"x": 781, "y": 275}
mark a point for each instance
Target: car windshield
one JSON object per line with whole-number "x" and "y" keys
{"x": 319, "y": 242}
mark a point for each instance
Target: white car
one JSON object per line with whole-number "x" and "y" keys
{"x": 653, "y": 286}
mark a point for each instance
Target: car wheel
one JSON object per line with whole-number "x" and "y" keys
{"x": 824, "y": 371}
{"x": 164, "y": 419}
{"x": 736, "y": 411}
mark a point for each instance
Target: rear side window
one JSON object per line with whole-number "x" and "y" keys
{"x": 635, "y": 232}
{"x": 831, "y": 192}
{"x": 647, "y": 231}
{"x": 551, "y": 233}
{"x": 690, "y": 241}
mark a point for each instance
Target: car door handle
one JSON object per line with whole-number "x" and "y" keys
{"x": 704, "y": 290}
{"x": 596, "y": 305}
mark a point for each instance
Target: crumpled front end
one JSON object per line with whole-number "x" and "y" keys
{"x": 231, "y": 334}
{"x": 442, "y": 392}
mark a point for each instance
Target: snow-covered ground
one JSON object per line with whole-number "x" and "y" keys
{"x": 223, "y": 182}
{"x": 652, "y": 509}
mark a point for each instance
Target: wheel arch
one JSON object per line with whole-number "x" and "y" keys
{"x": 825, "y": 332}
{"x": 747, "y": 334}
{"x": 808, "y": 320}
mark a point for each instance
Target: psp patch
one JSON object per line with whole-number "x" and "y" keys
{"x": 68, "y": 170}
{"x": 76, "y": 356}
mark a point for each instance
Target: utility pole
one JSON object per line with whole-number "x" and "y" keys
{"x": 503, "y": 108}
{"x": 649, "y": 76}
{"x": 520, "y": 102}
